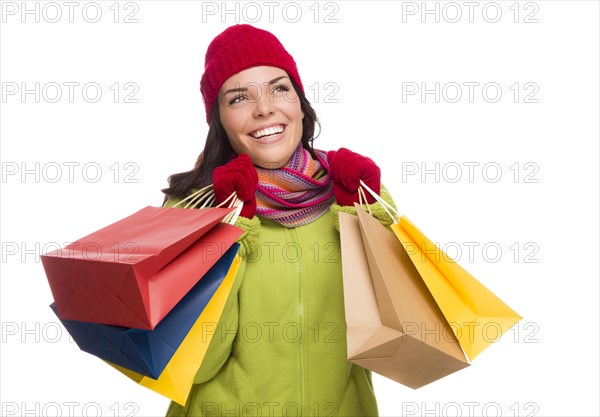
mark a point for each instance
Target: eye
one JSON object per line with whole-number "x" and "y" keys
{"x": 281, "y": 88}
{"x": 236, "y": 99}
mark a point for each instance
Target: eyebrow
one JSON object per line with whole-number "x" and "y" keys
{"x": 242, "y": 89}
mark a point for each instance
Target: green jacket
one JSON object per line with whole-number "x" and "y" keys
{"x": 280, "y": 345}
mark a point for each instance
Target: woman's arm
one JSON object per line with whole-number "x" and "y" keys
{"x": 225, "y": 330}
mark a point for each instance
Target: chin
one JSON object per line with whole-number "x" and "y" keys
{"x": 274, "y": 163}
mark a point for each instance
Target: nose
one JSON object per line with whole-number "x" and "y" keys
{"x": 264, "y": 105}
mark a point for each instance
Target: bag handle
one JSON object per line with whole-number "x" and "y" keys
{"x": 195, "y": 197}
{"x": 379, "y": 199}
{"x": 232, "y": 217}
{"x": 207, "y": 194}
{"x": 362, "y": 199}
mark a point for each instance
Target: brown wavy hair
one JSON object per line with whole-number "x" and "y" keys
{"x": 217, "y": 150}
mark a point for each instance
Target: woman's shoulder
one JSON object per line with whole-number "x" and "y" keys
{"x": 377, "y": 210}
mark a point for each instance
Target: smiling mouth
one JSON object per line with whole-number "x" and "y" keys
{"x": 268, "y": 132}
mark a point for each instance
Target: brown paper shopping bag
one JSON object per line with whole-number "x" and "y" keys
{"x": 394, "y": 326}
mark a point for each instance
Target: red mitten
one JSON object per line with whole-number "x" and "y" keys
{"x": 347, "y": 169}
{"x": 237, "y": 175}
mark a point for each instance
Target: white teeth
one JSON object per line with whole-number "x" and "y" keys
{"x": 268, "y": 131}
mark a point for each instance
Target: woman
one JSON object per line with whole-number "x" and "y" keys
{"x": 280, "y": 346}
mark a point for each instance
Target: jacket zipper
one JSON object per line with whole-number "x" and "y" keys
{"x": 300, "y": 313}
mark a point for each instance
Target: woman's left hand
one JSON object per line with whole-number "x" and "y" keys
{"x": 347, "y": 169}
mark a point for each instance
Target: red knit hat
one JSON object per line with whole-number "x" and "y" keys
{"x": 237, "y": 48}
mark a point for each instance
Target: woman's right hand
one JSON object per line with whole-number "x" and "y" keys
{"x": 237, "y": 175}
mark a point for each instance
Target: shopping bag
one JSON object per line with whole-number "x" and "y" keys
{"x": 470, "y": 308}
{"x": 473, "y": 311}
{"x": 177, "y": 379}
{"x": 130, "y": 273}
{"x": 394, "y": 326}
{"x": 147, "y": 352}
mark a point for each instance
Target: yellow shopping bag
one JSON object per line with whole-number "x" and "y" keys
{"x": 176, "y": 381}
{"x": 470, "y": 308}
{"x": 472, "y": 311}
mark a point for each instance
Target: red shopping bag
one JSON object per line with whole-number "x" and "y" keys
{"x": 133, "y": 272}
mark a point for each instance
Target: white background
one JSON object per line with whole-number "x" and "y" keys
{"x": 546, "y": 366}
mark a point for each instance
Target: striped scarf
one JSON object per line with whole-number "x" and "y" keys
{"x": 298, "y": 193}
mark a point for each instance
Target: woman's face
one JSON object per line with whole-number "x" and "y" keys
{"x": 261, "y": 114}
